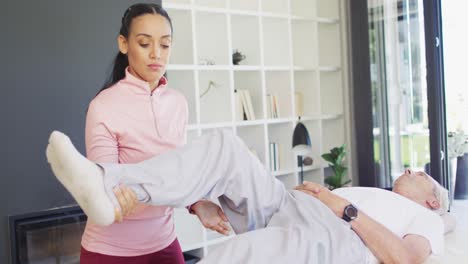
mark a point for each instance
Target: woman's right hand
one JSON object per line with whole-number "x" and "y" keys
{"x": 127, "y": 200}
{"x": 212, "y": 216}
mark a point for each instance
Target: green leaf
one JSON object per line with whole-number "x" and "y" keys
{"x": 339, "y": 170}
{"x": 348, "y": 181}
{"x": 328, "y": 157}
{"x": 335, "y": 152}
{"x": 340, "y": 158}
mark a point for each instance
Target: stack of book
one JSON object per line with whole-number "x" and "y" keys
{"x": 274, "y": 156}
{"x": 244, "y": 105}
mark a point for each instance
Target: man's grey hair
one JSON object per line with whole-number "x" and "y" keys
{"x": 442, "y": 195}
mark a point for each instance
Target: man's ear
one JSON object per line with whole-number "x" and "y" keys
{"x": 123, "y": 44}
{"x": 433, "y": 203}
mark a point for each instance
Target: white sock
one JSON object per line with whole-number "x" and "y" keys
{"x": 81, "y": 177}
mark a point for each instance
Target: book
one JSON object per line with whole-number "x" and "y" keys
{"x": 249, "y": 105}
{"x": 239, "y": 107}
{"x": 270, "y": 106}
{"x": 274, "y": 156}
{"x": 277, "y": 157}
{"x": 271, "y": 156}
{"x": 246, "y": 101}
{"x": 276, "y": 109}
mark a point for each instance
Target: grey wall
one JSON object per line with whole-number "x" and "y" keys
{"x": 55, "y": 55}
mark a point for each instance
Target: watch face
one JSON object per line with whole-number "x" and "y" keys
{"x": 351, "y": 211}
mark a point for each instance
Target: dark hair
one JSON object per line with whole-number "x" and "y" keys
{"x": 121, "y": 60}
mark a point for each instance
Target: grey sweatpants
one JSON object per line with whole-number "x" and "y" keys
{"x": 291, "y": 227}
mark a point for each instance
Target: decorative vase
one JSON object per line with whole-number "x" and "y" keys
{"x": 461, "y": 181}
{"x": 237, "y": 57}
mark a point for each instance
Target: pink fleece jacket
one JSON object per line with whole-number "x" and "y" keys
{"x": 127, "y": 123}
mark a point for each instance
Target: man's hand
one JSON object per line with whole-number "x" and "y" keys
{"x": 127, "y": 201}
{"x": 211, "y": 216}
{"x": 333, "y": 201}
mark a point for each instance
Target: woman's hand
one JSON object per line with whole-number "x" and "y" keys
{"x": 211, "y": 216}
{"x": 127, "y": 200}
{"x": 333, "y": 201}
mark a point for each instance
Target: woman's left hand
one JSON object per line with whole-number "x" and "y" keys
{"x": 333, "y": 201}
{"x": 127, "y": 200}
{"x": 211, "y": 216}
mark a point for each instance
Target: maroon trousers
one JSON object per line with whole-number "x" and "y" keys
{"x": 172, "y": 254}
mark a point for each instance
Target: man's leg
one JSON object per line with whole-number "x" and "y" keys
{"x": 216, "y": 165}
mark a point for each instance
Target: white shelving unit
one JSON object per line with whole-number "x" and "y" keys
{"x": 292, "y": 47}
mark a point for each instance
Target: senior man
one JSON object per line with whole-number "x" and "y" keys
{"x": 306, "y": 225}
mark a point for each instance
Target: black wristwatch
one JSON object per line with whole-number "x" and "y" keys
{"x": 350, "y": 213}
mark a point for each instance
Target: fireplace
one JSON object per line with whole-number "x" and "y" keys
{"x": 47, "y": 237}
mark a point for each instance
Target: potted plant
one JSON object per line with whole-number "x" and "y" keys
{"x": 336, "y": 161}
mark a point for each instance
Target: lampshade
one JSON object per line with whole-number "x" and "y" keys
{"x": 301, "y": 140}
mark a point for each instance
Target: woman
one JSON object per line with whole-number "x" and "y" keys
{"x": 136, "y": 116}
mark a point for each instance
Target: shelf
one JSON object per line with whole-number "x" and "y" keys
{"x": 293, "y": 50}
{"x": 277, "y": 68}
{"x": 244, "y": 13}
{"x": 307, "y": 86}
{"x": 254, "y": 138}
{"x": 212, "y": 38}
{"x": 278, "y": 84}
{"x": 182, "y": 49}
{"x": 215, "y": 100}
{"x": 329, "y": 44}
{"x": 210, "y": 3}
{"x": 282, "y": 135}
{"x": 174, "y": 5}
{"x": 302, "y": 19}
{"x": 331, "y": 95}
{"x": 215, "y": 125}
{"x": 180, "y": 67}
{"x": 245, "y": 5}
{"x": 316, "y": 134}
{"x": 183, "y": 81}
{"x": 327, "y": 20}
{"x": 275, "y": 6}
{"x": 303, "y": 8}
{"x": 334, "y": 135}
{"x": 274, "y": 15}
{"x": 211, "y": 10}
{"x": 250, "y": 81}
{"x": 246, "y": 67}
{"x": 328, "y": 8}
{"x": 276, "y": 41}
{"x": 270, "y": 121}
{"x": 185, "y": 67}
{"x": 329, "y": 68}
{"x": 177, "y": 2}
{"x": 304, "y": 69}
{"x": 245, "y": 38}
{"x": 314, "y": 176}
{"x": 213, "y": 67}
{"x": 304, "y": 43}
{"x": 249, "y": 123}
{"x": 296, "y": 170}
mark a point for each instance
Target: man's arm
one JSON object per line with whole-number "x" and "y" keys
{"x": 384, "y": 244}
{"x": 388, "y": 247}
